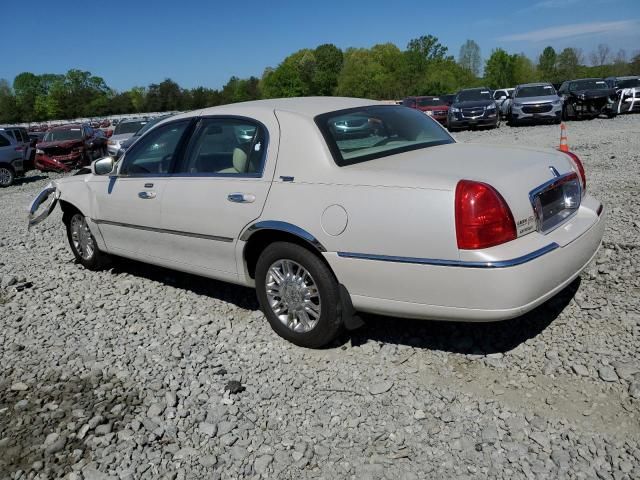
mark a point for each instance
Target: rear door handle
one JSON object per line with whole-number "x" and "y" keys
{"x": 147, "y": 195}
{"x": 241, "y": 197}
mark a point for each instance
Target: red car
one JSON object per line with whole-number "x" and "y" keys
{"x": 436, "y": 107}
{"x": 69, "y": 146}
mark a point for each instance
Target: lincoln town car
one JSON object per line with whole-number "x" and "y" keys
{"x": 334, "y": 206}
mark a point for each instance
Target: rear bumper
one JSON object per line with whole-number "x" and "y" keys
{"x": 474, "y": 293}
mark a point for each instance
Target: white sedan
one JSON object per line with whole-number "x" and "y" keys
{"x": 332, "y": 206}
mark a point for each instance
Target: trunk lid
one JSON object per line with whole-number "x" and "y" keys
{"x": 513, "y": 171}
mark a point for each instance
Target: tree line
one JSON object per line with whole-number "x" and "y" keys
{"x": 383, "y": 71}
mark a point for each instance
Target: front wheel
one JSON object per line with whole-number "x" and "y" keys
{"x": 7, "y": 176}
{"x": 299, "y": 295}
{"x": 83, "y": 244}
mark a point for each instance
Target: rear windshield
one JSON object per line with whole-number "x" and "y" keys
{"x": 430, "y": 102}
{"x": 60, "y": 135}
{"x": 536, "y": 91}
{"x": 129, "y": 127}
{"x": 587, "y": 85}
{"x": 366, "y": 133}
{"x": 473, "y": 95}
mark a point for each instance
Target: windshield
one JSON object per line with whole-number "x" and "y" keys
{"x": 61, "y": 135}
{"x": 629, "y": 83}
{"x": 431, "y": 102}
{"x": 474, "y": 95}
{"x": 148, "y": 126}
{"x": 536, "y": 91}
{"x": 366, "y": 133}
{"x": 129, "y": 127}
{"x": 587, "y": 85}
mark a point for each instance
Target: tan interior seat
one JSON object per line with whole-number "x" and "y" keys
{"x": 240, "y": 159}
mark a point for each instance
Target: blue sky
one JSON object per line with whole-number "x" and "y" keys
{"x": 198, "y": 42}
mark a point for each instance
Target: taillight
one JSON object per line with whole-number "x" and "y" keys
{"x": 483, "y": 218}
{"x": 579, "y": 169}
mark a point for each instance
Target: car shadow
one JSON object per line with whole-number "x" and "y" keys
{"x": 476, "y": 338}
{"x": 27, "y": 180}
{"x": 238, "y": 295}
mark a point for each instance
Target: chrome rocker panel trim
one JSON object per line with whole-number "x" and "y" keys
{"x": 454, "y": 263}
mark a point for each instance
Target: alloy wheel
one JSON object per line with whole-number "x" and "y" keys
{"x": 6, "y": 176}
{"x": 81, "y": 237}
{"x": 293, "y": 295}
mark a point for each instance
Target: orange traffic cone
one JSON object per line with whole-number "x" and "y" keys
{"x": 564, "y": 146}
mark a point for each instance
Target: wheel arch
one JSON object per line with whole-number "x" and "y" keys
{"x": 262, "y": 234}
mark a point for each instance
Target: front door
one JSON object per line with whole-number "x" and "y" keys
{"x": 128, "y": 205}
{"x": 220, "y": 186}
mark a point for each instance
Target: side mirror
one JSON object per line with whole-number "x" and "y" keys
{"x": 103, "y": 166}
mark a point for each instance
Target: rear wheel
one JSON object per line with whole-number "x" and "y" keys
{"x": 82, "y": 242}
{"x": 299, "y": 295}
{"x": 7, "y": 176}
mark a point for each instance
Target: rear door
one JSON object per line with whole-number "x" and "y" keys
{"x": 220, "y": 186}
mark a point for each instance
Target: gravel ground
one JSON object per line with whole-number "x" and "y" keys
{"x": 141, "y": 372}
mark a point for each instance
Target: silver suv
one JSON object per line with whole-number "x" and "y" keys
{"x": 11, "y": 156}
{"x": 535, "y": 102}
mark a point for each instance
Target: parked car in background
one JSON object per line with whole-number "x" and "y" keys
{"x": 587, "y": 98}
{"x": 124, "y": 145}
{"x": 473, "y": 107}
{"x": 404, "y": 222}
{"x": 123, "y": 130}
{"x": 435, "y": 107}
{"x": 11, "y": 159}
{"x": 535, "y": 102}
{"x": 67, "y": 147}
{"x": 502, "y": 96}
{"x": 21, "y": 137}
{"x": 628, "y": 90}
{"x": 34, "y": 139}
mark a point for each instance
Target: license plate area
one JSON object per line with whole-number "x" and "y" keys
{"x": 556, "y": 201}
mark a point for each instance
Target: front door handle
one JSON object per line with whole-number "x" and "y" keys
{"x": 147, "y": 195}
{"x": 241, "y": 197}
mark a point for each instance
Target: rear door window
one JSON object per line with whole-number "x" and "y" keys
{"x": 4, "y": 141}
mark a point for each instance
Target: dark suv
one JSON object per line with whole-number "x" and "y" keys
{"x": 473, "y": 107}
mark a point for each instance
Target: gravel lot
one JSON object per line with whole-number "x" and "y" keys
{"x": 126, "y": 373}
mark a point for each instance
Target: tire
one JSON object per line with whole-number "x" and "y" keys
{"x": 82, "y": 242}
{"x": 298, "y": 270}
{"x": 7, "y": 176}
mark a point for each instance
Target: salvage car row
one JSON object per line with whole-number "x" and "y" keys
{"x": 533, "y": 102}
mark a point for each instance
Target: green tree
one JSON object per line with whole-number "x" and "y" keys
{"x": 329, "y": 60}
{"x": 428, "y": 47}
{"x": 568, "y": 64}
{"x": 27, "y": 87}
{"x": 469, "y": 57}
{"x": 9, "y": 112}
{"x": 361, "y": 75}
{"x": 547, "y": 64}
{"x": 498, "y": 72}
{"x": 523, "y": 70}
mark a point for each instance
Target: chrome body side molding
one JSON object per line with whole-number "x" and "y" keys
{"x": 454, "y": 263}
{"x": 164, "y": 230}
{"x": 282, "y": 227}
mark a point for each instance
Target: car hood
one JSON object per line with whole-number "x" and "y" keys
{"x": 541, "y": 99}
{"x": 62, "y": 144}
{"x": 593, "y": 94}
{"x": 513, "y": 171}
{"x": 474, "y": 103}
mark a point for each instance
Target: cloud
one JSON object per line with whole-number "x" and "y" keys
{"x": 575, "y": 30}
{"x": 552, "y": 4}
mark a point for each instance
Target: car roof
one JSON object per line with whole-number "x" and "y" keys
{"x": 591, "y": 78}
{"x": 536, "y": 84}
{"x": 134, "y": 120}
{"x": 66, "y": 127}
{"x": 305, "y": 106}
